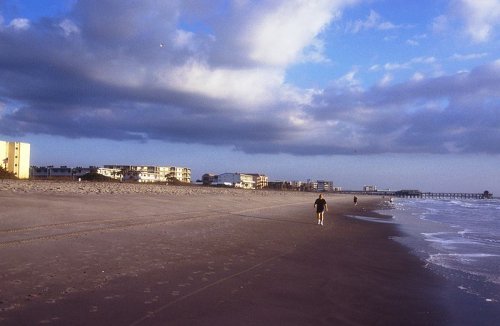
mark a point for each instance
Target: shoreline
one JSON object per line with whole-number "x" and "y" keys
{"x": 195, "y": 257}
{"x": 471, "y": 299}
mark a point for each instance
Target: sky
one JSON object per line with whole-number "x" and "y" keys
{"x": 400, "y": 94}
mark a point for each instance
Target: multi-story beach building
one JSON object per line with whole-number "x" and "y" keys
{"x": 237, "y": 180}
{"x": 309, "y": 185}
{"x": 118, "y": 172}
{"x": 261, "y": 181}
{"x": 209, "y": 179}
{"x": 285, "y": 185}
{"x": 323, "y": 185}
{"x": 369, "y": 188}
{"x": 62, "y": 172}
{"x": 152, "y": 173}
{"x": 15, "y": 158}
{"x": 110, "y": 173}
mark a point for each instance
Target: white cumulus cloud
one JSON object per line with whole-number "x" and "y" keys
{"x": 20, "y": 23}
{"x": 481, "y": 18}
{"x": 279, "y": 36}
{"x": 373, "y": 21}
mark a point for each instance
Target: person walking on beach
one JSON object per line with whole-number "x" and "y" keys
{"x": 355, "y": 201}
{"x": 321, "y": 207}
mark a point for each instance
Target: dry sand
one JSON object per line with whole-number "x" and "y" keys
{"x": 122, "y": 254}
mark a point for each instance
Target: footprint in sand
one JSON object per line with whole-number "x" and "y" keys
{"x": 152, "y": 300}
{"x": 68, "y": 290}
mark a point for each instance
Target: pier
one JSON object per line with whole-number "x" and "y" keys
{"x": 454, "y": 195}
{"x": 442, "y": 195}
{"x": 419, "y": 194}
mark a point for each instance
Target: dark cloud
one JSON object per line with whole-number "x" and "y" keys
{"x": 104, "y": 71}
{"x": 455, "y": 113}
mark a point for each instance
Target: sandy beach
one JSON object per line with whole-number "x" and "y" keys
{"x": 126, "y": 254}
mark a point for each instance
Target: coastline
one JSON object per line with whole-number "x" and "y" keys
{"x": 470, "y": 289}
{"x": 198, "y": 256}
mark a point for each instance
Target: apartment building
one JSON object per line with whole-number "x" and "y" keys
{"x": 237, "y": 180}
{"x": 62, "y": 172}
{"x": 369, "y": 188}
{"x": 323, "y": 185}
{"x": 261, "y": 181}
{"x": 118, "y": 172}
{"x": 284, "y": 185}
{"x": 151, "y": 173}
{"x": 15, "y": 158}
{"x": 319, "y": 185}
{"x": 209, "y": 179}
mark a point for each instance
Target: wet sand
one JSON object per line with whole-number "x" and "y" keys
{"x": 203, "y": 256}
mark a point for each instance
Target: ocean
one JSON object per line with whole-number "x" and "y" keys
{"x": 457, "y": 239}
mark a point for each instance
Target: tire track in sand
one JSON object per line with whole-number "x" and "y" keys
{"x": 109, "y": 227}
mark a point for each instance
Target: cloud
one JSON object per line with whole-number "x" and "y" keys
{"x": 406, "y": 65}
{"x": 440, "y": 24}
{"x": 20, "y": 24}
{"x": 373, "y": 21}
{"x": 279, "y": 32}
{"x": 478, "y": 20}
{"x": 173, "y": 71}
{"x": 420, "y": 115}
{"x": 470, "y": 56}
{"x": 245, "y": 88}
{"x": 69, "y": 27}
{"x": 412, "y": 42}
{"x": 481, "y": 18}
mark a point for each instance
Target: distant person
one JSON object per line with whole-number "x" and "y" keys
{"x": 321, "y": 207}
{"x": 355, "y": 201}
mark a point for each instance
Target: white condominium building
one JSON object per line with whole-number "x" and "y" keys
{"x": 261, "y": 180}
{"x": 15, "y": 158}
{"x": 323, "y": 185}
{"x": 150, "y": 173}
{"x": 237, "y": 180}
{"x": 370, "y": 188}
